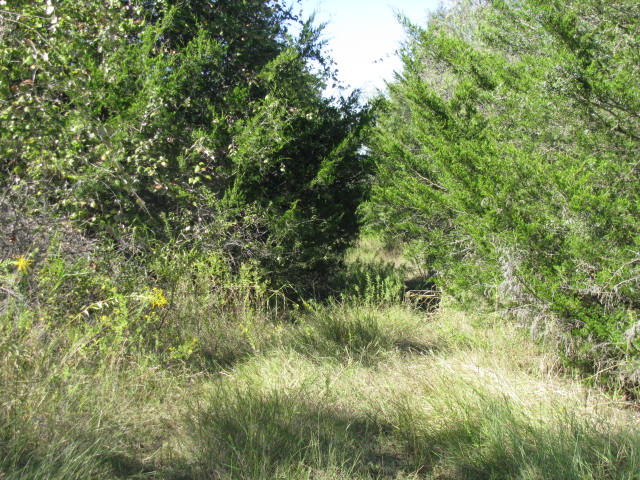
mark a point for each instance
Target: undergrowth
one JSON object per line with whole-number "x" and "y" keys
{"x": 179, "y": 369}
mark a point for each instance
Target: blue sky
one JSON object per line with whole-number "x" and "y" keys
{"x": 363, "y": 35}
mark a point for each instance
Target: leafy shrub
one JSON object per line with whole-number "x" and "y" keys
{"x": 141, "y": 121}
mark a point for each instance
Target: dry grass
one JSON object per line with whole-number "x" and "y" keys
{"x": 345, "y": 392}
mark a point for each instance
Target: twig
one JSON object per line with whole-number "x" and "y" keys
{"x": 602, "y": 371}
{"x": 10, "y": 292}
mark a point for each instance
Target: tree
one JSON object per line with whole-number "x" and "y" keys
{"x": 158, "y": 116}
{"x": 507, "y": 152}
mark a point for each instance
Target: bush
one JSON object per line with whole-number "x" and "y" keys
{"x": 505, "y": 152}
{"x": 144, "y": 121}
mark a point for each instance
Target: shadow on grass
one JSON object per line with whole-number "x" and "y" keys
{"x": 63, "y": 456}
{"x": 362, "y": 334}
{"x": 225, "y": 341}
{"x": 495, "y": 439}
{"x": 257, "y": 435}
{"x": 344, "y": 333}
{"x": 56, "y": 446}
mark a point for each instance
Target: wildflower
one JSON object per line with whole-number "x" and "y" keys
{"x": 157, "y": 298}
{"x": 23, "y": 263}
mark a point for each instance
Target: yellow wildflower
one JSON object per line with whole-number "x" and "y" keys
{"x": 157, "y": 298}
{"x": 22, "y": 263}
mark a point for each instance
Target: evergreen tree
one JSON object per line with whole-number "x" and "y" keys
{"x": 507, "y": 152}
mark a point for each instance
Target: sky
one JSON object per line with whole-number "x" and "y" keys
{"x": 363, "y": 35}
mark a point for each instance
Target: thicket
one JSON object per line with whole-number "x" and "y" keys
{"x": 507, "y": 155}
{"x": 168, "y": 141}
{"x": 199, "y": 123}
{"x": 171, "y": 175}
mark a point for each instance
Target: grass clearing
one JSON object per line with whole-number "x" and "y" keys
{"x": 463, "y": 410}
{"x": 346, "y": 391}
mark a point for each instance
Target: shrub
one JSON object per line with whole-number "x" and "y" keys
{"x": 505, "y": 152}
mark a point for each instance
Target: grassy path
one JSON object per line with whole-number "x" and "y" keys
{"x": 345, "y": 393}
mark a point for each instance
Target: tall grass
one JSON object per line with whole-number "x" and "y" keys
{"x": 360, "y": 333}
{"x": 188, "y": 373}
{"x": 275, "y": 434}
{"x": 461, "y": 430}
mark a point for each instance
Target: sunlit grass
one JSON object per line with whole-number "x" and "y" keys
{"x": 337, "y": 391}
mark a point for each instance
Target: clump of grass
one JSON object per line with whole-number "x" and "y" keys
{"x": 359, "y": 332}
{"x": 225, "y": 318}
{"x": 462, "y": 431}
{"x": 24, "y": 460}
{"x": 263, "y": 435}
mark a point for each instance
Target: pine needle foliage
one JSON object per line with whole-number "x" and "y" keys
{"x": 507, "y": 153}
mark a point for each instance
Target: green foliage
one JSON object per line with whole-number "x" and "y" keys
{"x": 136, "y": 117}
{"x": 373, "y": 284}
{"x": 507, "y": 153}
{"x": 166, "y": 163}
